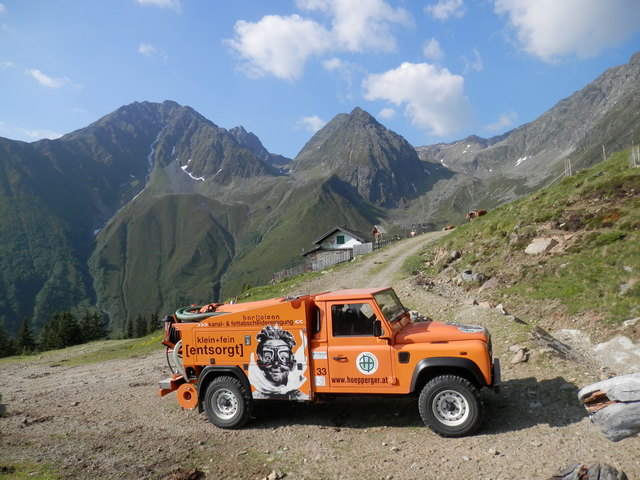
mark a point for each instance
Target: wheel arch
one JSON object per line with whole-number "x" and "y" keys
{"x": 429, "y": 368}
{"x": 209, "y": 373}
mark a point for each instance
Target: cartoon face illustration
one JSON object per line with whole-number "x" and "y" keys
{"x": 275, "y": 354}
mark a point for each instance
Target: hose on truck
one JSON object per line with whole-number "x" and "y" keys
{"x": 193, "y": 314}
{"x": 177, "y": 359}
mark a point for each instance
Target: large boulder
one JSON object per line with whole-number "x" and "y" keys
{"x": 614, "y": 405}
{"x": 540, "y": 245}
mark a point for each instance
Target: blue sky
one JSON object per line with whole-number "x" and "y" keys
{"x": 430, "y": 70}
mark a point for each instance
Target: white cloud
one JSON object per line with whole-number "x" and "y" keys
{"x": 3, "y": 9}
{"x": 333, "y": 64}
{"x": 146, "y": 49}
{"x": 361, "y": 25}
{"x": 170, "y": 4}
{"x": 445, "y": 9}
{"x": 50, "y": 82}
{"x": 312, "y": 123}
{"x": 504, "y": 122}
{"x": 475, "y": 64}
{"x": 39, "y": 134}
{"x": 432, "y": 50}
{"x": 434, "y": 98}
{"x": 549, "y": 29}
{"x": 346, "y": 69}
{"x": 387, "y": 113}
{"x": 279, "y": 46}
{"x": 7, "y": 64}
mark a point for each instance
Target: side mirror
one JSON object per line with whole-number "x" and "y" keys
{"x": 377, "y": 328}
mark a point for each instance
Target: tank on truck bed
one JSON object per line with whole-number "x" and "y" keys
{"x": 307, "y": 348}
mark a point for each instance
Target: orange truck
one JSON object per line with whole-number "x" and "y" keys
{"x": 314, "y": 347}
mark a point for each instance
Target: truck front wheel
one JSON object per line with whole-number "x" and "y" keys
{"x": 227, "y": 403}
{"x": 451, "y": 406}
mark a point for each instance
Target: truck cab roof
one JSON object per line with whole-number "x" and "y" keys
{"x": 350, "y": 293}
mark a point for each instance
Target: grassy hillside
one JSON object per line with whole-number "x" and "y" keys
{"x": 281, "y": 233}
{"x": 592, "y": 275}
{"x": 161, "y": 254}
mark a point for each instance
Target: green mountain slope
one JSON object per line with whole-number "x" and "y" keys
{"x": 286, "y": 229}
{"x": 593, "y": 273}
{"x": 40, "y": 243}
{"x": 160, "y": 253}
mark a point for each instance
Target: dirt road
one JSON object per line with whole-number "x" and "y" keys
{"x": 106, "y": 421}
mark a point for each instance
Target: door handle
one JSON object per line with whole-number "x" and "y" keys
{"x": 340, "y": 358}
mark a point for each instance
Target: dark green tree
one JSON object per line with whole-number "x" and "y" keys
{"x": 129, "y": 329}
{"x": 69, "y": 330}
{"x": 141, "y": 326}
{"x": 26, "y": 342}
{"x": 49, "y": 335}
{"x": 92, "y": 326}
{"x": 154, "y": 323}
{"x": 61, "y": 331}
{"x": 6, "y": 344}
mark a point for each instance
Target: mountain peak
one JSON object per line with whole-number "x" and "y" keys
{"x": 379, "y": 163}
{"x": 362, "y": 116}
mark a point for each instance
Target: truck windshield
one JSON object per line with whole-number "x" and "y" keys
{"x": 390, "y": 305}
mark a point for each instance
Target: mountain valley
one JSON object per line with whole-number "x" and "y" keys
{"x": 154, "y": 206}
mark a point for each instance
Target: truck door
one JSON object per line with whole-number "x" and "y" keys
{"x": 358, "y": 360}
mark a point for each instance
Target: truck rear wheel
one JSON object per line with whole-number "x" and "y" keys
{"x": 451, "y": 406}
{"x": 227, "y": 403}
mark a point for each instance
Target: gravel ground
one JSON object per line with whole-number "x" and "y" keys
{"x": 106, "y": 421}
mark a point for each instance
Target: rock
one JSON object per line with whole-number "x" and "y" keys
{"x": 515, "y": 319}
{"x": 579, "y": 471}
{"x": 273, "y": 476}
{"x": 620, "y": 354}
{"x": 454, "y": 255}
{"x": 520, "y": 357}
{"x": 470, "y": 301}
{"x": 493, "y": 282}
{"x": 614, "y": 406}
{"x": 501, "y": 309}
{"x": 470, "y": 277}
{"x": 630, "y": 323}
{"x": 549, "y": 341}
{"x": 540, "y": 245}
{"x": 486, "y": 305}
{"x": 624, "y": 287}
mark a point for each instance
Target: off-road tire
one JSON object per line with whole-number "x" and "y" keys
{"x": 227, "y": 402}
{"x": 451, "y": 406}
